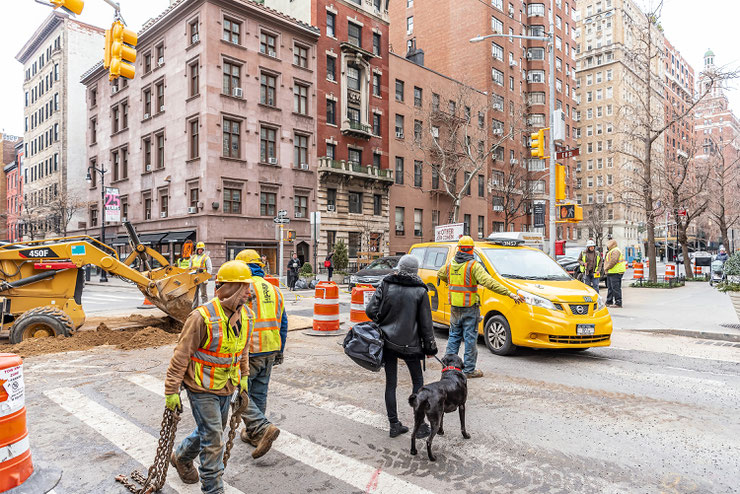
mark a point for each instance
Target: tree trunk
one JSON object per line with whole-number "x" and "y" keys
{"x": 683, "y": 239}
{"x": 455, "y": 209}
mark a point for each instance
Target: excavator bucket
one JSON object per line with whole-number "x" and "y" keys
{"x": 174, "y": 292}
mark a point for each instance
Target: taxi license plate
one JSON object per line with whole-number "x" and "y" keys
{"x": 585, "y": 329}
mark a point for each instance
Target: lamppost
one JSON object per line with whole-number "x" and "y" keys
{"x": 88, "y": 179}
{"x": 550, "y": 39}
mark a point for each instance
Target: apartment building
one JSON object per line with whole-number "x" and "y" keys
{"x": 215, "y": 135}
{"x": 14, "y": 194}
{"x": 430, "y": 109}
{"x": 610, "y": 92}
{"x": 679, "y": 96}
{"x": 53, "y": 60}
{"x": 513, "y": 72}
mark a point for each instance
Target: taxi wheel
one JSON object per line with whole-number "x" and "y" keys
{"x": 498, "y": 336}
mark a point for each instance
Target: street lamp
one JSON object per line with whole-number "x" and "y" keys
{"x": 549, "y": 38}
{"x": 88, "y": 179}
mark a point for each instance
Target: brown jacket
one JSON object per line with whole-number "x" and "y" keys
{"x": 613, "y": 258}
{"x": 194, "y": 332}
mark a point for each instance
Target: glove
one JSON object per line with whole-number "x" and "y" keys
{"x": 172, "y": 401}
{"x": 278, "y": 359}
{"x": 431, "y": 350}
{"x": 244, "y": 384}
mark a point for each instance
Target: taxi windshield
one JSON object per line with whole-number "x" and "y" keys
{"x": 525, "y": 264}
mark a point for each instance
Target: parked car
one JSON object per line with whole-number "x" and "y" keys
{"x": 570, "y": 264}
{"x": 374, "y": 272}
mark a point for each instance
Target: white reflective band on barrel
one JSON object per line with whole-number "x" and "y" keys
{"x": 13, "y": 450}
{"x": 318, "y": 317}
{"x": 360, "y": 307}
{"x": 325, "y": 301}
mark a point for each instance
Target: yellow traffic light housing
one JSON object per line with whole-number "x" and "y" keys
{"x": 570, "y": 213}
{"x": 71, "y": 6}
{"x": 120, "y": 54}
{"x": 537, "y": 144}
{"x": 559, "y": 182}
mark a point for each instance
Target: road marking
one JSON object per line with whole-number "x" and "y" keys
{"x": 128, "y": 437}
{"x": 327, "y": 461}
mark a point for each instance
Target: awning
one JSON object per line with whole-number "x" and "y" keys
{"x": 117, "y": 241}
{"x": 177, "y": 237}
{"x": 152, "y": 238}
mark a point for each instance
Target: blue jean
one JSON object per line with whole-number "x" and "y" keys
{"x": 260, "y": 368}
{"x": 210, "y": 412}
{"x": 591, "y": 281}
{"x": 464, "y": 326}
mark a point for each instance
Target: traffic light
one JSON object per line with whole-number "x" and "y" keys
{"x": 119, "y": 51}
{"x": 559, "y": 182}
{"x": 572, "y": 213}
{"x": 290, "y": 235}
{"x": 537, "y": 144}
{"x": 71, "y": 6}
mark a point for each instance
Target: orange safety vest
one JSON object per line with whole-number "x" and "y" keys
{"x": 268, "y": 308}
{"x": 461, "y": 291}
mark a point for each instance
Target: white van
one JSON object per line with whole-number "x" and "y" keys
{"x": 531, "y": 239}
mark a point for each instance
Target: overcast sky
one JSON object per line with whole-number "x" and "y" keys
{"x": 691, "y": 26}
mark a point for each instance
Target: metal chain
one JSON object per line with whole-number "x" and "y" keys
{"x": 238, "y": 407}
{"x": 157, "y": 473}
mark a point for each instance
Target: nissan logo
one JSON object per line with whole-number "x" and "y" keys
{"x": 579, "y": 309}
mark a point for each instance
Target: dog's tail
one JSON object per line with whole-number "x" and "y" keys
{"x": 412, "y": 400}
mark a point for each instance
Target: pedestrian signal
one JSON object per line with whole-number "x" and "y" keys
{"x": 290, "y": 235}
{"x": 572, "y": 213}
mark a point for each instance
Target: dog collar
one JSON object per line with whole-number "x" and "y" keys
{"x": 451, "y": 368}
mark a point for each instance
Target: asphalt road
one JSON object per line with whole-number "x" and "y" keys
{"x": 652, "y": 413}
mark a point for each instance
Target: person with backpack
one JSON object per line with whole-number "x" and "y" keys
{"x": 400, "y": 307}
{"x": 329, "y": 265}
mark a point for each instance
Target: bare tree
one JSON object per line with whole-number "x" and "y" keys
{"x": 62, "y": 209}
{"x": 724, "y": 182}
{"x": 595, "y": 218}
{"x": 31, "y": 218}
{"x": 514, "y": 188}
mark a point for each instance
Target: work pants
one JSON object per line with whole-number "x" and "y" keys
{"x": 591, "y": 281}
{"x": 464, "y": 326}
{"x": 614, "y": 288}
{"x": 260, "y": 368}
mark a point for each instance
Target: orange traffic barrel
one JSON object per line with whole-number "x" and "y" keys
{"x": 639, "y": 272}
{"x": 361, "y": 295}
{"x": 272, "y": 280}
{"x": 326, "y": 310}
{"x": 698, "y": 271}
{"x": 670, "y": 270}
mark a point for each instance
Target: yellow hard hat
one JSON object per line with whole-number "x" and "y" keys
{"x": 200, "y": 245}
{"x": 250, "y": 256}
{"x": 234, "y": 272}
{"x": 465, "y": 243}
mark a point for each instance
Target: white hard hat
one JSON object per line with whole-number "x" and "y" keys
{"x": 721, "y": 247}
{"x": 590, "y": 243}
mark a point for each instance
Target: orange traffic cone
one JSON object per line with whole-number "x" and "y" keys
{"x": 147, "y": 304}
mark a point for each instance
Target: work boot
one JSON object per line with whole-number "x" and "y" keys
{"x": 474, "y": 374}
{"x": 247, "y": 438}
{"x": 187, "y": 472}
{"x": 265, "y": 442}
{"x": 397, "y": 428}
{"x": 424, "y": 431}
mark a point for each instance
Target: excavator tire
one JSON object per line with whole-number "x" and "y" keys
{"x": 41, "y": 322}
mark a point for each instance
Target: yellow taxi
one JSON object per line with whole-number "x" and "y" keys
{"x": 559, "y": 311}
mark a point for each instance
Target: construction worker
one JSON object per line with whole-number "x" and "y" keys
{"x": 615, "y": 266}
{"x": 266, "y": 348}
{"x": 218, "y": 333}
{"x": 184, "y": 262}
{"x": 591, "y": 265}
{"x": 201, "y": 260}
{"x": 464, "y": 274}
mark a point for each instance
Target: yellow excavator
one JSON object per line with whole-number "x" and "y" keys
{"x": 41, "y": 283}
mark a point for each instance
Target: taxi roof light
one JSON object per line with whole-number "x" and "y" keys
{"x": 504, "y": 241}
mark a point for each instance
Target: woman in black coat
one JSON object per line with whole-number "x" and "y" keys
{"x": 400, "y": 306}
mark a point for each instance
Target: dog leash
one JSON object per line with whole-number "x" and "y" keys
{"x": 437, "y": 359}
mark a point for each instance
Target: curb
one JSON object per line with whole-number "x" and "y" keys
{"x": 705, "y": 335}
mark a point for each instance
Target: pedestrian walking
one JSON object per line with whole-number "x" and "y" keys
{"x": 201, "y": 260}
{"x": 615, "y": 266}
{"x": 294, "y": 269}
{"x": 463, "y": 274}
{"x": 591, "y": 265}
{"x": 722, "y": 254}
{"x": 329, "y": 264}
{"x": 266, "y": 347}
{"x": 400, "y": 307}
{"x": 217, "y": 331}
{"x": 265, "y": 264}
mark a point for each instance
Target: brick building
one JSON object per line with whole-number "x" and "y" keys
{"x": 425, "y": 104}
{"x": 513, "y": 73}
{"x": 216, "y": 133}
{"x": 53, "y": 60}
{"x": 14, "y": 194}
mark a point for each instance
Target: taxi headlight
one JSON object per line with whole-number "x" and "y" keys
{"x": 600, "y": 303}
{"x": 536, "y": 300}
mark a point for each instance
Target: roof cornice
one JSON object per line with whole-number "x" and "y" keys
{"x": 43, "y": 32}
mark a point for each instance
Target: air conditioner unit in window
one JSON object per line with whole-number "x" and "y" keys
{"x": 331, "y": 208}
{"x": 529, "y": 56}
{"x": 304, "y": 166}
{"x": 148, "y": 168}
{"x": 272, "y": 161}
{"x": 163, "y": 214}
{"x": 514, "y": 161}
{"x": 114, "y": 90}
{"x": 512, "y": 63}
{"x": 160, "y": 62}
{"x": 298, "y": 215}
{"x": 146, "y": 115}
{"x": 192, "y": 210}
{"x": 498, "y": 208}
{"x": 195, "y": 38}
{"x": 399, "y": 228}
{"x": 399, "y": 135}
{"x": 161, "y": 108}
{"x": 498, "y": 132}
{"x": 272, "y": 53}
{"x": 238, "y": 92}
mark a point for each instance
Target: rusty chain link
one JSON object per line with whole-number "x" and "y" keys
{"x": 238, "y": 407}
{"x": 157, "y": 473}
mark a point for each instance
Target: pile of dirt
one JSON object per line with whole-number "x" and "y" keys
{"x": 148, "y": 337}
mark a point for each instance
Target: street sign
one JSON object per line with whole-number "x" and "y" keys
{"x": 281, "y": 221}
{"x": 682, "y": 212}
{"x": 282, "y": 213}
{"x": 568, "y": 153}
{"x": 449, "y": 233}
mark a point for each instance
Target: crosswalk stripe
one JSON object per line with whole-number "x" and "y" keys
{"x": 128, "y": 437}
{"x": 341, "y": 467}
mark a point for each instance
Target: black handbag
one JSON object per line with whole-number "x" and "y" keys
{"x": 364, "y": 345}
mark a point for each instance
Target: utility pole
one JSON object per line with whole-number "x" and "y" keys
{"x": 551, "y": 145}
{"x": 281, "y": 220}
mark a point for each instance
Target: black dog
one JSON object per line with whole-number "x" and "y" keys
{"x": 436, "y": 399}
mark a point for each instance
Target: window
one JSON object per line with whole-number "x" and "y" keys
{"x": 331, "y": 112}
{"x": 115, "y": 119}
{"x": 418, "y": 173}
{"x": 300, "y": 56}
{"x": 94, "y": 216}
{"x": 147, "y": 63}
{"x": 355, "y": 202}
{"x": 417, "y": 97}
{"x": 481, "y": 186}
{"x": 353, "y": 77}
{"x": 147, "y": 206}
{"x": 399, "y": 170}
{"x": 331, "y": 68}
{"x": 268, "y": 139}
{"x": 354, "y": 241}
{"x": 497, "y": 26}
{"x": 331, "y": 150}
{"x": 267, "y": 203}
{"x": 376, "y": 44}
{"x": 376, "y": 124}
{"x": 193, "y": 138}
{"x": 353, "y": 115}
{"x": 331, "y": 22}
{"x": 399, "y": 90}
{"x": 481, "y": 226}
{"x": 354, "y": 34}
{"x": 232, "y": 31}
{"x": 418, "y": 226}
{"x": 116, "y": 166}
{"x": 399, "y": 126}
{"x": 160, "y": 55}
{"x": 417, "y": 130}
{"x": 466, "y": 224}
{"x": 93, "y": 98}
{"x": 147, "y": 103}
{"x": 300, "y": 99}
{"x": 232, "y": 78}
{"x": 300, "y": 206}
{"x": 124, "y": 115}
{"x": 194, "y": 31}
{"x": 300, "y": 150}
{"x": 400, "y": 212}
{"x": 160, "y": 96}
{"x": 376, "y": 85}
{"x": 147, "y": 145}
{"x": 194, "y": 79}
{"x": 498, "y": 76}
{"x": 410, "y": 25}
{"x": 376, "y": 159}
{"x": 193, "y": 195}
{"x": 498, "y": 52}
{"x": 467, "y": 177}
{"x": 268, "y": 83}
{"x": 163, "y": 203}
{"x": 160, "y": 151}
{"x": 377, "y": 204}
{"x": 231, "y": 147}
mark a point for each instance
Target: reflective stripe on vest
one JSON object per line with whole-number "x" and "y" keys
{"x": 268, "y": 308}
{"x": 218, "y": 359}
{"x": 199, "y": 261}
{"x": 597, "y": 274}
{"x": 461, "y": 291}
{"x": 620, "y": 266}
